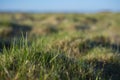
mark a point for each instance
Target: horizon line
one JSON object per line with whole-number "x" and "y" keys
{"x": 59, "y": 11}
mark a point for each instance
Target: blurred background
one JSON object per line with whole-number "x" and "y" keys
{"x": 60, "y": 39}
{"x": 38, "y": 18}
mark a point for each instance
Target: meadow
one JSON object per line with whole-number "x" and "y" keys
{"x": 60, "y": 46}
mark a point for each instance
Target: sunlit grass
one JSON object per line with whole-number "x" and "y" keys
{"x": 64, "y": 51}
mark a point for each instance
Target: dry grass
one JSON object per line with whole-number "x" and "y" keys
{"x": 59, "y": 46}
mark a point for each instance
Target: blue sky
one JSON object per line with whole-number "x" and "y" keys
{"x": 59, "y": 5}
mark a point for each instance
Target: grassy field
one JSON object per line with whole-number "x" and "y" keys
{"x": 60, "y": 46}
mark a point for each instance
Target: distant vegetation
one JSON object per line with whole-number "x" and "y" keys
{"x": 59, "y": 46}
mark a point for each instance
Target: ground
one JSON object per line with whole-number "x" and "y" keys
{"x": 60, "y": 46}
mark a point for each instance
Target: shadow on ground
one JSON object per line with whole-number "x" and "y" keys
{"x": 107, "y": 70}
{"x": 10, "y": 31}
{"x": 101, "y": 41}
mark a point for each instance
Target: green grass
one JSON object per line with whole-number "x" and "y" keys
{"x": 68, "y": 54}
{"x": 40, "y": 62}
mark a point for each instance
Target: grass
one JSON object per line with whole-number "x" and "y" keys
{"x": 68, "y": 54}
{"x": 40, "y": 63}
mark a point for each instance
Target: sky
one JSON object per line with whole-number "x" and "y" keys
{"x": 60, "y": 5}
